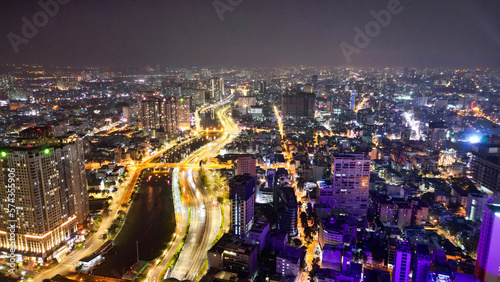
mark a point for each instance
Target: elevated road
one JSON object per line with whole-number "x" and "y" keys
{"x": 206, "y": 217}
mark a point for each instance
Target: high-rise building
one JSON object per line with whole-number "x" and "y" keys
{"x": 285, "y": 203}
{"x": 196, "y": 90}
{"x": 488, "y": 260}
{"x": 402, "y": 262}
{"x": 262, "y": 87}
{"x": 248, "y": 165}
{"x": 421, "y": 263}
{"x": 205, "y": 73}
{"x": 171, "y": 88}
{"x": 184, "y": 113}
{"x": 352, "y": 104}
{"x": 242, "y": 196}
{"x": 475, "y": 206}
{"x": 169, "y": 115}
{"x": 348, "y": 193}
{"x": 51, "y": 196}
{"x": 300, "y": 104}
{"x": 485, "y": 163}
{"x": 159, "y": 114}
{"x": 150, "y": 114}
{"x": 216, "y": 86}
{"x": 126, "y": 113}
{"x": 437, "y": 136}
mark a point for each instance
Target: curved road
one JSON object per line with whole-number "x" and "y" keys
{"x": 205, "y": 216}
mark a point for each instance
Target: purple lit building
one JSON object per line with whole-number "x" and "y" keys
{"x": 402, "y": 262}
{"x": 350, "y": 179}
{"x": 488, "y": 260}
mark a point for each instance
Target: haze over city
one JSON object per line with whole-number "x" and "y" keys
{"x": 254, "y": 33}
{"x": 266, "y": 141}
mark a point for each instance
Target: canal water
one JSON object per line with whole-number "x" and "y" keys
{"x": 150, "y": 221}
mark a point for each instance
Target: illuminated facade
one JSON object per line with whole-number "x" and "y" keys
{"x": 248, "y": 165}
{"x": 159, "y": 114}
{"x": 184, "y": 113}
{"x": 475, "y": 206}
{"x": 300, "y": 105}
{"x": 242, "y": 196}
{"x": 485, "y": 163}
{"x": 448, "y": 157}
{"x": 488, "y": 260}
{"x": 402, "y": 262}
{"x": 437, "y": 136}
{"x": 421, "y": 263}
{"x": 50, "y": 198}
{"x": 216, "y": 86}
{"x": 350, "y": 180}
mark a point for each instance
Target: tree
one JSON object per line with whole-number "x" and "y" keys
{"x": 315, "y": 267}
{"x": 297, "y": 242}
{"x": 303, "y": 219}
{"x": 428, "y": 198}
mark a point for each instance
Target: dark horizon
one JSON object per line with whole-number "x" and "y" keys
{"x": 423, "y": 34}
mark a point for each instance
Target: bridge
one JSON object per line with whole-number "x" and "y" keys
{"x": 184, "y": 165}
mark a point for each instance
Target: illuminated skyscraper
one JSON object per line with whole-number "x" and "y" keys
{"x": 51, "y": 196}
{"x": 300, "y": 105}
{"x": 285, "y": 202}
{"x": 402, "y": 262}
{"x": 421, "y": 263}
{"x": 349, "y": 190}
{"x": 488, "y": 260}
{"x": 159, "y": 114}
{"x": 242, "y": 196}
{"x": 184, "y": 113}
{"x": 485, "y": 163}
{"x": 353, "y": 100}
{"x": 437, "y": 136}
{"x": 475, "y": 206}
{"x": 216, "y": 86}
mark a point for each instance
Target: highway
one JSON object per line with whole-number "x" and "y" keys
{"x": 206, "y": 216}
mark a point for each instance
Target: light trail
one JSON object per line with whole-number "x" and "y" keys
{"x": 206, "y": 218}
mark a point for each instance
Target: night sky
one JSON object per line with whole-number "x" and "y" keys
{"x": 267, "y": 33}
